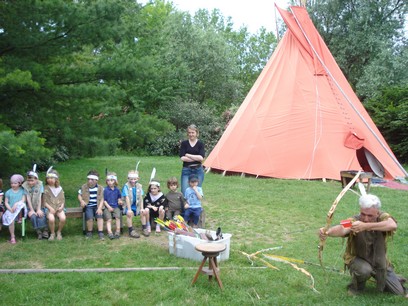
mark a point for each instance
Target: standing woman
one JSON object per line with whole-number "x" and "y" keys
{"x": 192, "y": 154}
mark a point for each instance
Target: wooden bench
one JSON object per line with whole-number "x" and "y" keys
{"x": 74, "y": 212}
{"x": 77, "y": 212}
{"x": 348, "y": 175}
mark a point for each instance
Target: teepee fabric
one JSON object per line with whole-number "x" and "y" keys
{"x": 301, "y": 119}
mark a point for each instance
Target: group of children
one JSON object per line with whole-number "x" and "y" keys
{"x": 39, "y": 203}
{"x": 47, "y": 203}
{"x": 109, "y": 203}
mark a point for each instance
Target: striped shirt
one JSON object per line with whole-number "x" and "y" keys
{"x": 93, "y": 195}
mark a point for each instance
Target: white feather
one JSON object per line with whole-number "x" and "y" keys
{"x": 49, "y": 169}
{"x": 35, "y": 168}
{"x": 362, "y": 188}
{"x": 137, "y": 165}
{"x": 152, "y": 175}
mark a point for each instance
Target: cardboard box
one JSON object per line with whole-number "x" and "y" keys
{"x": 184, "y": 246}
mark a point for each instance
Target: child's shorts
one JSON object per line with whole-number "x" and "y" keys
{"x": 90, "y": 213}
{"x": 170, "y": 214}
{"x": 109, "y": 215}
{"x": 192, "y": 214}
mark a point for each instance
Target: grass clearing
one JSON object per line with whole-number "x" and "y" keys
{"x": 259, "y": 213}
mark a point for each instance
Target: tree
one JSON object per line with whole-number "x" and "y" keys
{"x": 62, "y": 68}
{"x": 251, "y": 53}
{"x": 389, "y": 110}
{"x": 387, "y": 70}
{"x": 362, "y": 35}
{"x": 96, "y": 77}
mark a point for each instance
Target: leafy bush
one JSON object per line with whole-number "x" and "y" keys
{"x": 166, "y": 145}
{"x": 19, "y": 152}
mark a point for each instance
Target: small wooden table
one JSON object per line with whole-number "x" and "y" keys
{"x": 347, "y": 175}
{"x": 210, "y": 251}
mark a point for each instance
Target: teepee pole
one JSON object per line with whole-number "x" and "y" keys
{"x": 276, "y": 25}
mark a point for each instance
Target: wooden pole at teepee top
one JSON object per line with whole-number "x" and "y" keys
{"x": 277, "y": 28}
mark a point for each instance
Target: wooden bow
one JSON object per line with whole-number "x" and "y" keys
{"x": 331, "y": 213}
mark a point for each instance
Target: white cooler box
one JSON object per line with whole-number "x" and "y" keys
{"x": 184, "y": 246}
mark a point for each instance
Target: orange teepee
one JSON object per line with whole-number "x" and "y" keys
{"x": 301, "y": 119}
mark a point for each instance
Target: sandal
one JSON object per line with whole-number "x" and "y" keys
{"x": 59, "y": 236}
{"x": 52, "y": 237}
{"x": 13, "y": 240}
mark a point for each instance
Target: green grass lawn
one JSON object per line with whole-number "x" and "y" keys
{"x": 259, "y": 213}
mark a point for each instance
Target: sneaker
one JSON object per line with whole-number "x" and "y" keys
{"x": 134, "y": 234}
{"x": 52, "y": 237}
{"x": 158, "y": 230}
{"x": 101, "y": 236}
{"x": 59, "y": 236}
{"x": 88, "y": 235}
{"x": 13, "y": 240}
{"x": 145, "y": 232}
{"x": 39, "y": 235}
{"x": 111, "y": 236}
{"x": 45, "y": 234}
{"x": 149, "y": 229}
{"x": 117, "y": 235}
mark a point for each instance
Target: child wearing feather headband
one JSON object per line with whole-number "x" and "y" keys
{"x": 132, "y": 194}
{"x": 112, "y": 202}
{"x": 34, "y": 190}
{"x": 54, "y": 201}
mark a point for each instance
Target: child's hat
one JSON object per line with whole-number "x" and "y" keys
{"x": 16, "y": 178}
{"x": 33, "y": 172}
{"x": 134, "y": 174}
{"x": 111, "y": 177}
{"x": 155, "y": 183}
{"x": 51, "y": 174}
{"x": 93, "y": 177}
